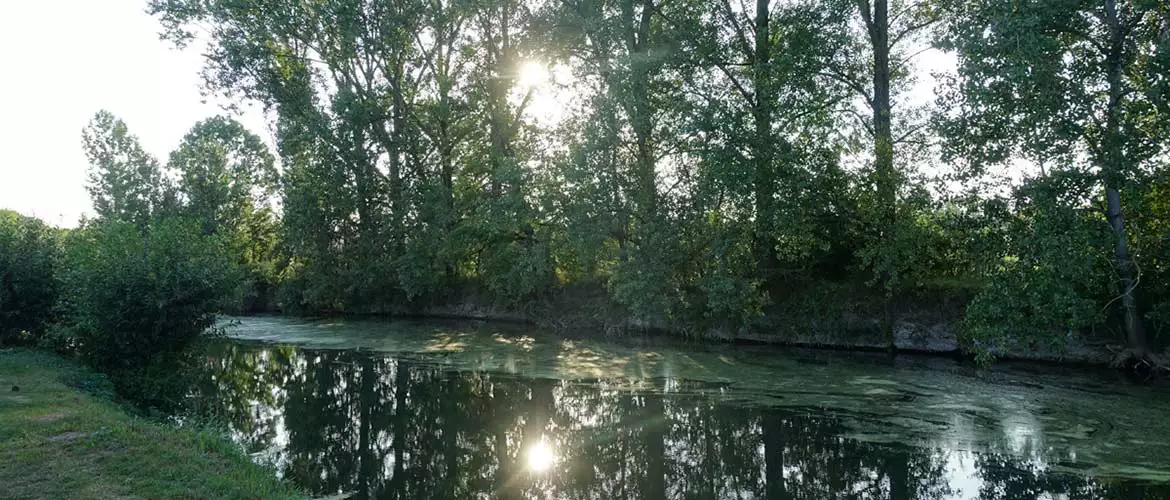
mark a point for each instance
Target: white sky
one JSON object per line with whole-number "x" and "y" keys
{"x": 63, "y": 61}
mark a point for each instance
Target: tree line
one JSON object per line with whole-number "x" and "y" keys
{"x": 716, "y": 166}
{"x": 169, "y": 246}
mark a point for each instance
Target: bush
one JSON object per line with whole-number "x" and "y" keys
{"x": 136, "y": 297}
{"x": 1045, "y": 279}
{"x": 28, "y": 287}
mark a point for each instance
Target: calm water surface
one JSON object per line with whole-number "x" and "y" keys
{"x": 380, "y": 409}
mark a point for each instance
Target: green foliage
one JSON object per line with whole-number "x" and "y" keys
{"x": 519, "y": 269}
{"x": 125, "y": 182}
{"x": 1073, "y": 87}
{"x": 227, "y": 180}
{"x": 226, "y": 174}
{"x": 1047, "y": 278}
{"x": 29, "y": 252}
{"x": 727, "y": 292}
{"x": 401, "y": 188}
{"x": 424, "y": 267}
{"x": 168, "y": 247}
{"x": 135, "y": 297}
{"x": 699, "y": 182}
{"x": 1149, "y": 198}
{"x": 647, "y": 280}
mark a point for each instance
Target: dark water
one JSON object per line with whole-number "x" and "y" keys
{"x": 416, "y": 423}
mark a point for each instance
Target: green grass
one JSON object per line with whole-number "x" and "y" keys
{"x": 59, "y": 441}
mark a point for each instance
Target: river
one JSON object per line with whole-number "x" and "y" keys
{"x": 455, "y": 409}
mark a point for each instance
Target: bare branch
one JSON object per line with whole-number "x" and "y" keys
{"x": 855, "y": 85}
{"x": 898, "y": 14}
{"x": 747, "y": 95}
{"x": 909, "y": 30}
{"x": 861, "y": 120}
{"x": 903, "y": 138}
{"x": 739, "y": 32}
{"x": 902, "y": 61}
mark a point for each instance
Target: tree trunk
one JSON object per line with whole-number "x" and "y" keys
{"x": 363, "y": 178}
{"x": 1135, "y": 333}
{"x": 398, "y": 158}
{"x": 885, "y": 179}
{"x": 765, "y": 181}
{"x": 444, "y": 138}
{"x": 401, "y": 420}
{"x": 653, "y": 426}
{"x": 450, "y": 436}
{"x": 638, "y": 105}
{"x": 898, "y": 471}
{"x": 540, "y": 407}
{"x": 366, "y": 398}
{"x": 507, "y": 479}
{"x": 497, "y": 50}
{"x": 497, "y": 151}
{"x": 1112, "y": 172}
{"x": 774, "y": 458}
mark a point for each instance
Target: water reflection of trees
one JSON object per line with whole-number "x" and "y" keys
{"x": 344, "y": 421}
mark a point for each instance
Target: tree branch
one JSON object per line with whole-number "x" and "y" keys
{"x": 849, "y": 82}
{"x": 747, "y": 96}
{"x": 908, "y": 30}
{"x": 861, "y": 120}
{"x": 864, "y": 8}
{"x": 740, "y": 34}
{"x": 902, "y": 138}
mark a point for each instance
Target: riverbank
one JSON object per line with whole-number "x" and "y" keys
{"x": 836, "y": 318}
{"x": 62, "y": 436}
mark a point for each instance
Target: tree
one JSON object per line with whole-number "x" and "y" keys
{"x": 772, "y": 61}
{"x": 29, "y": 252}
{"x": 692, "y": 183}
{"x": 876, "y": 71}
{"x": 225, "y": 174}
{"x": 125, "y": 182}
{"x": 1074, "y": 85}
{"x": 226, "y": 181}
{"x": 325, "y": 69}
{"x": 766, "y": 112}
{"x": 133, "y": 298}
{"x": 1047, "y": 274}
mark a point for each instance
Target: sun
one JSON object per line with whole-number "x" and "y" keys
{"x": 533, "y": 75}
{"x": 540, "y": 457}
{"x": 541, "y": 92}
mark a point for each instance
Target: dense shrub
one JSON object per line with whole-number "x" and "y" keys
{"x": 1044, "y": 278}
{"x": 134, "y": 297}
{"x": 28, "y": 287}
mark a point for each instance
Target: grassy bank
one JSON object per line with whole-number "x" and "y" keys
{"x": 61, "y": 436}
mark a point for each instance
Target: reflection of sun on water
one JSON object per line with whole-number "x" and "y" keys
{"x": 540, "y": 457}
